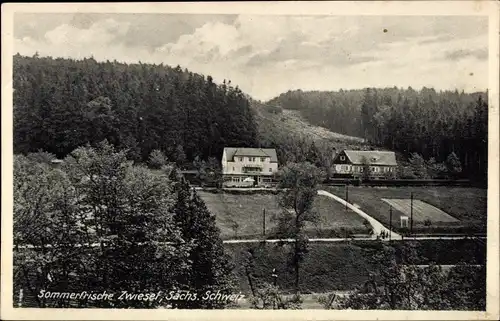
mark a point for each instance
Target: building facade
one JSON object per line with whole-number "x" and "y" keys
{"x": 248, "y": 166}
{"x": 354, "y": 163}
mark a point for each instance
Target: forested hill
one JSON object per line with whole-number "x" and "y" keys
{"x": 427, "y": 122}
{"x": 60, "y": 104}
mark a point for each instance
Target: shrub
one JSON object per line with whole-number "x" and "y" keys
{"x": 41, "y": 157}
{"x": 157, "y": 159}
{"x": 274, "y": 109}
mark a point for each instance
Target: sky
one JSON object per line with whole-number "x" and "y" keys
{"x": 266, "y": 55}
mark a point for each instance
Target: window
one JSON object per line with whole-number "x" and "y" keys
{"x": 342, "y": 158}
{"x": 241, "y": 159}
{"x": 263, "y": 159}
{"x": 233, "y": 168}
{"x": 270, "y": 170}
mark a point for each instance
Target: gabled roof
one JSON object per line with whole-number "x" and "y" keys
{"x": 251, "y": 152}
{"x": 374, "y": 157}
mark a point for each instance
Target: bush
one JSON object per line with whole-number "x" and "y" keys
{"x": 389, "y": 175}
{"x": 441, "y": 230}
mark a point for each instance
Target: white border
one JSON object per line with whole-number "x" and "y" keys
{"x": 482, "y": 8}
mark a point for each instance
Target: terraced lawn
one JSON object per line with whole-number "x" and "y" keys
{"x": 241, "y": 216}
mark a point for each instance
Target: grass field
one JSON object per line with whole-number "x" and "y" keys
{"x": 466, "y": 206}
{"x": 327, "y": 267}
{"x": 241, "y": 216}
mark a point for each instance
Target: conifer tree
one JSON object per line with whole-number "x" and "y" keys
{"x": 210, "y": 269}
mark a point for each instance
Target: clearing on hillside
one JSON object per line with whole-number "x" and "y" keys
{"x": 290, "y": 122}
{"x": 422, "y": 211}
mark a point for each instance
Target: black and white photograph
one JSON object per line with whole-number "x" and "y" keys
{"x": 252, "y": 159}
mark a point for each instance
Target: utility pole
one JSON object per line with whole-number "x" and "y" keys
{"x": 390, "y": 222}
{"x": 411, "y": 213}
{"x": 346, "y": 196}
{"x": 263, "y": 222}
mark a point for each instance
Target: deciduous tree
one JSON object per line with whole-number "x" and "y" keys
{"x": 300, "y": 183}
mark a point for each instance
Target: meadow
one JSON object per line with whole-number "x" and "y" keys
{"x": 241, "y": 216}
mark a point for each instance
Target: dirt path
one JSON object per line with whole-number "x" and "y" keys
{"x": 312, "y": 240}
{"x": 376, "y": 225}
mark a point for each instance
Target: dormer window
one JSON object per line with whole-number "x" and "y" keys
{"x": 342, "y": 158}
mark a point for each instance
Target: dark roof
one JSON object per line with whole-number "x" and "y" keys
{"x": 374, "y": 157}
{"x": 252, "y": 152}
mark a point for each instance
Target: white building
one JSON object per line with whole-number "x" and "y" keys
{"x": 248, "y": 166}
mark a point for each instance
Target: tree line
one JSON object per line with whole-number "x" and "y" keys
{"x": 99, "y": 223}
{"x": 61, "y": 104}
{"x": 426, "y": 122}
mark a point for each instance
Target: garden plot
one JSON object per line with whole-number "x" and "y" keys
{"x": 422, "y": 211}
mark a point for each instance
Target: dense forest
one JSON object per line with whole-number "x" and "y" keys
{"x": 60, "y": 104}
{"x": 430, "y": 123}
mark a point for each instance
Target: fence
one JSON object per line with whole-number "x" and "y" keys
{"x": 401, "y": 182}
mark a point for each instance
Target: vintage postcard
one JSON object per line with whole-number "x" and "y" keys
{"x": 285, "y": 160}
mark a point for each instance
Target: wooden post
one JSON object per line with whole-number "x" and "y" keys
{"x": 390, "y": 222}
{"x": 264, "y": 222}
{"x": 346, "y": 196}
{"x": 411, "y": 213}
